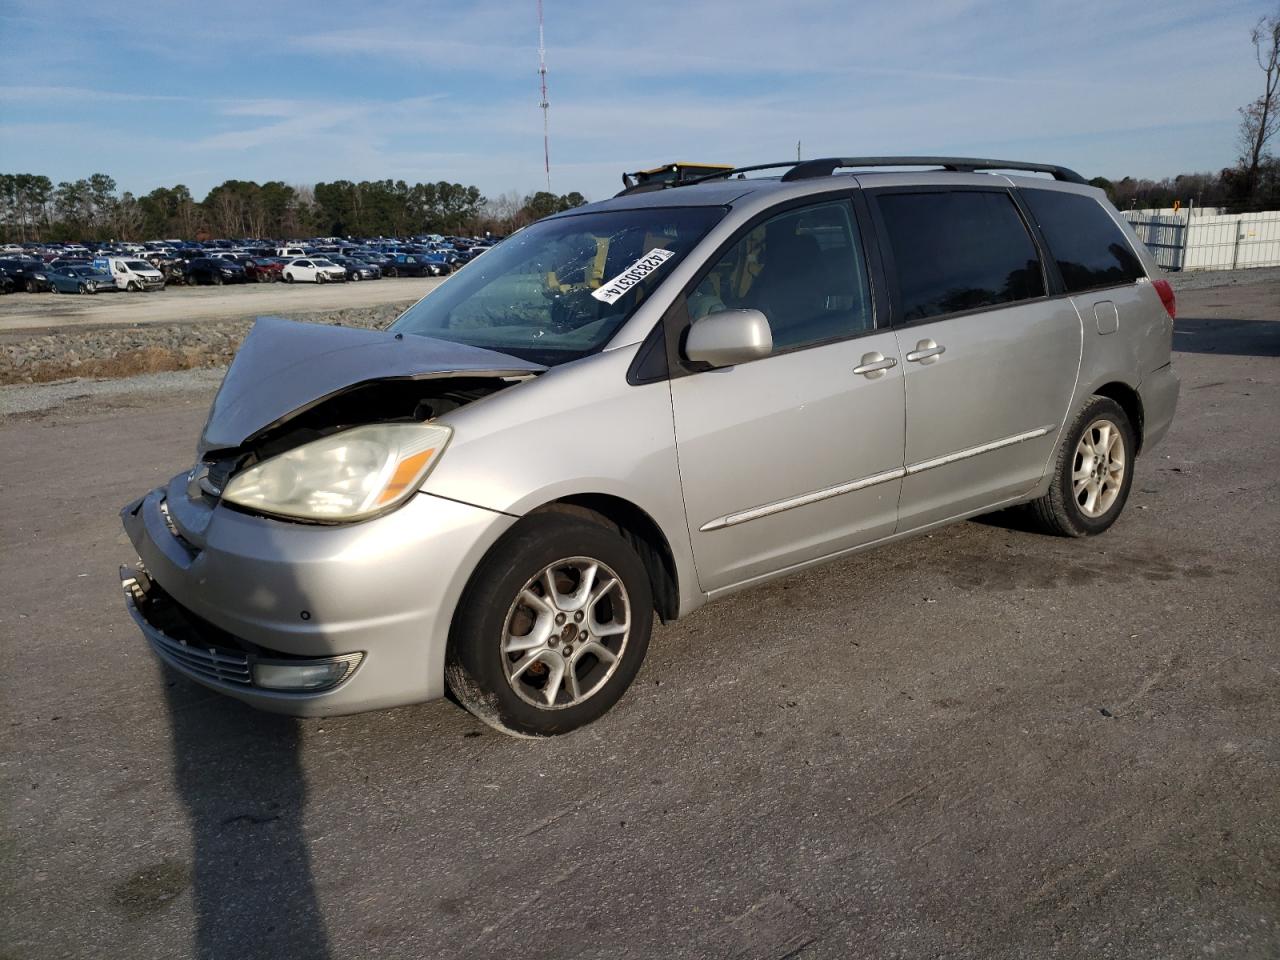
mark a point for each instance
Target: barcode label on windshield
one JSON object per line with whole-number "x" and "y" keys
{"x": 617, "y": 288}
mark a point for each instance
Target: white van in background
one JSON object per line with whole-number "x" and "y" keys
{"x": 130, "y": 273}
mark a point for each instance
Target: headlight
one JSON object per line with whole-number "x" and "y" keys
{"x": 345, "y": 476}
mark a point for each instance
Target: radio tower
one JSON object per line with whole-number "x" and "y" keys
{"x": 544, "y": 103}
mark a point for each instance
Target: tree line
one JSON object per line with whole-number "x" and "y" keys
{"x": 33, "y": 208}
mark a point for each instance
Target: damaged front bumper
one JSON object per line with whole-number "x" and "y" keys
{"x": 303, "y": 619}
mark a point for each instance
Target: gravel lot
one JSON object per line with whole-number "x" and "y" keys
{"x": 984, "y": 743}
{"x": 54, "y": 337}
{"x": 41, "y": 311}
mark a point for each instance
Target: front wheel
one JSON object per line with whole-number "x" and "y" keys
{"x": 133, "y": 287}
{"x": 1092, "y": 474}
{"x": 553, "y": 627}
{"x": 288, "y": 278}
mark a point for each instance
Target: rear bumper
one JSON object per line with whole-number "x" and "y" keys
{"x": 1159, "y": 394}
{"x": 259, "y": 589}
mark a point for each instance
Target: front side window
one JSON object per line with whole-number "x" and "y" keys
{"x": 1090, "y": 249}
{"x": 559, "y": 289}
{"x": 959, "y": 250}
{"x": 803, "y": 269}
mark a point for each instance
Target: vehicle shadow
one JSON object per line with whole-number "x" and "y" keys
{"x": 1242, "y": 338}
{"x": 240, "y": 777}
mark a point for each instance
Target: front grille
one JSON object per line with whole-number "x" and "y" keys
{"x": 178, "y": 635}
{"x": 229, "y": 666}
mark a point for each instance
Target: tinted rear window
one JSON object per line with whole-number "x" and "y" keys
{"x": 1090, "y": 250}
{"x": 960, "y": 250}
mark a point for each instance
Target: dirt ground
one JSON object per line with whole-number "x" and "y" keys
{"x": 981, "y": 743}
{"x": 41, "y": 311}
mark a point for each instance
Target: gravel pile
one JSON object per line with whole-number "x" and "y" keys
{"x": 119, "y": 351}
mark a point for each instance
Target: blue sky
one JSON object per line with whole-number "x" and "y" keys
{"x": 197, "y": 93}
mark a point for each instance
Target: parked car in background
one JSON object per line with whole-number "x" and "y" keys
{"x": 61, "y": 263}
{"x": 357, "y": 269}
{"x": 29, "y": 275}
{"x": 409, "y": 265}
{"x": 313, "y": 270}
{"x": 291, "y": 252}
{"x": 214, "y": 271}
{"x": 82, "y": 279}
{"x": 264, "y": 269}
{"x": 131, "y": 273}
{"x": 439, "y": 262}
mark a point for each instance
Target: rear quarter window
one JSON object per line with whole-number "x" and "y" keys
{"x": 1090, "y": 249}
{"x": 959, "y": 250}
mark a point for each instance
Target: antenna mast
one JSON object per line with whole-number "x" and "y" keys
{"x": 544, "y": 103}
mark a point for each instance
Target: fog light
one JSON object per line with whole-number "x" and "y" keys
{"x": 310, "y": 675}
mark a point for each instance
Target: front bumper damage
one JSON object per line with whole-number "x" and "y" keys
{"x": 240, "y": 603}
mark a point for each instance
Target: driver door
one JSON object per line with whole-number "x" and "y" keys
{"x": 798, "y": 455}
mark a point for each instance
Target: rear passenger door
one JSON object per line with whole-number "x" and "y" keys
{"x": 990, "y": 359}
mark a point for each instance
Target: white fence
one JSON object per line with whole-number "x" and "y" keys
{"x": 1179, "y": 242}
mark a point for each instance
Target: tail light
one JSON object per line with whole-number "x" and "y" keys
{"x": 1165, "y": 289}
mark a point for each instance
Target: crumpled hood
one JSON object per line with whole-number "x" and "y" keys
{"x": 284, "y": 367}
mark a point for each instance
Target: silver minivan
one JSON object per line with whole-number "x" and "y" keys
{"x": 642, "y": 405}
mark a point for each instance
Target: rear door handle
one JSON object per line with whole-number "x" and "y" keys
{"x": 926, "y": 351}
{"x": 874, "y": 365}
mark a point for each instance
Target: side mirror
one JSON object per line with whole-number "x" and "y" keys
{"x": 728, "y": 337}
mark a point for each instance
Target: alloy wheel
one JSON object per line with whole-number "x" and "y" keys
{"x": 566, "y": 632}
{"x": 1097, "y": 475}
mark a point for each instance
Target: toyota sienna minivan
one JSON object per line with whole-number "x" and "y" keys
{"x": 642, "y": 405}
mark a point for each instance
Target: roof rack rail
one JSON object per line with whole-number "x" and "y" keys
{"x": 828, "y": 165}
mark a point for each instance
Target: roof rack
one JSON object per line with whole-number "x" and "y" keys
{"x": 827, "y": 166}
{"x": 687, "y": 181}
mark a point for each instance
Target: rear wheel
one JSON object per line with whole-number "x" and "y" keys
{"x": 553, "y": 627}
{"x": 1092, "y": 474}
{"x": 288, "y": 278}
{"x": 392, "y": 272}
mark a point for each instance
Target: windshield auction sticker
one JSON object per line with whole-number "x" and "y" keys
{"x": 617, "y": 288}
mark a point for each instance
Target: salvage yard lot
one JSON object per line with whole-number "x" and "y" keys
{"x": 37, "y": 311}
{"x": 982, "y": 743}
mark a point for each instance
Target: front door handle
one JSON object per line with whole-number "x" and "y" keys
{"x": 874, "y": 365}
{"x": 926, "y": 351}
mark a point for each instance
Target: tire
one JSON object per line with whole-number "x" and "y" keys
{"x": 1089, "y": 492}
{"x": 355, "y": 277}
{"x": 217, "y": 279}
{"x": 288, "y": 278}
{"x": 30, "y": 286}
{"x": 132, "y": 287}
{"x": 508, "y": 690}
{"x": 391, "y": 272}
